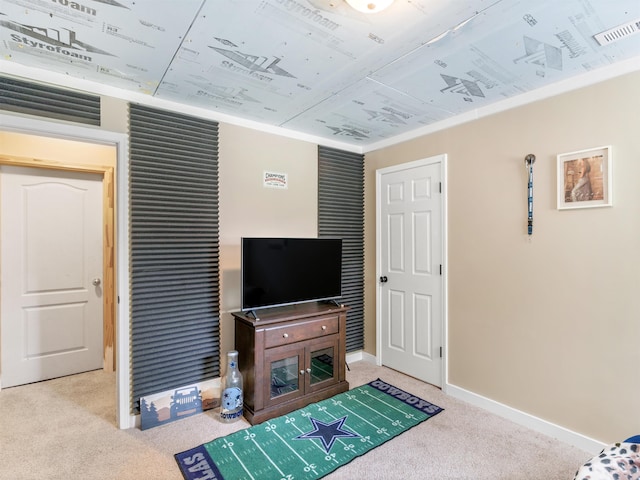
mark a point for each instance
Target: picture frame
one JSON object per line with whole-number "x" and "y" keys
{"x": 584, "y": 178}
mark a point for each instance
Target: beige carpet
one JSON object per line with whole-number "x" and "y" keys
{"x": 65, "y": 429}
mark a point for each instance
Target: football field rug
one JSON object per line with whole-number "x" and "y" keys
{"x": 311, "y": 442}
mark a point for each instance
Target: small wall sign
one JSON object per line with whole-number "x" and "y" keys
{"x": 178, "y": 403}
{"x": 274, "y": 180}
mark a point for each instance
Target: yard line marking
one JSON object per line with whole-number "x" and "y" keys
{"x": 267, "y": 457}
{"x": 380, "y": 429}
{"x": 238, "y": 458}
{"x": 291, "y": 448}
{"x": 374, "y": 410}
{"x": 345, "y": 409}
{"x": 407, "y": 415}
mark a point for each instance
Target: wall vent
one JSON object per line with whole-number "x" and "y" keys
{"x": 618, "y": 33}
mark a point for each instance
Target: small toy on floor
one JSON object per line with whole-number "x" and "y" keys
{"x": 619, "y": 461}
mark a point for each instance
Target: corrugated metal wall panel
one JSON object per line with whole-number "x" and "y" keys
{"x": 175, "y": 294}
{"x": 51, "y": 102}
{"x": 341, "y": 214}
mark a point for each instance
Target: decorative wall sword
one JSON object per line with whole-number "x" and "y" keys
{"x": 529, "y": 160}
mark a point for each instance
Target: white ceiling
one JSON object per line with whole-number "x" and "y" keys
{"x": 318, "y": 67}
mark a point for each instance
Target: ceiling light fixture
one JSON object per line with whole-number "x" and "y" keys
{"x": 369, "y": 6}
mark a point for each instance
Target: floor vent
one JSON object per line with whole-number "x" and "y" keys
{"x": 618, "y": 33}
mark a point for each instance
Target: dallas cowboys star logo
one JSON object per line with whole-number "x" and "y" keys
{"x": 327, "y": 432}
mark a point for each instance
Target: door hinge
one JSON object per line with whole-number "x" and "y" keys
{"x": 440, "y": 269}
{"x": 440, "y": 187}
{"x": 440, "y": 352}
{"x": 118, "y": 299}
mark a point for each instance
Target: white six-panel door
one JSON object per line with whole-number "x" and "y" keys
{"x": 51, "y": 273}
{"x": 410, "y": 282}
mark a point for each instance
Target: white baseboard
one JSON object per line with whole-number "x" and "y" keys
{"x": 534, "y": 423}
{"x": 134, "y": 421}
{"x": 565, "y": 435}
{"x": 361, "y": 356}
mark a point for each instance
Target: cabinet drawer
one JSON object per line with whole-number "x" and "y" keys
{"x": 300, "y": 331}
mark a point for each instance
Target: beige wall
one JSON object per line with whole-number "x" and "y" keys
{"x": 248, "y": 209}
{"x": 550, "y": 324}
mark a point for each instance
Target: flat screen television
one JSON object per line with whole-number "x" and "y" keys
{"x": 285, "y": 271}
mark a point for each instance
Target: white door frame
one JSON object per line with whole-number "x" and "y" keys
{"x": 120, "y": 141}
{"x": 442, "y": 160}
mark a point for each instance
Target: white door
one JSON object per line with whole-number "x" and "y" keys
{"x": 410, "y": 285}
{"x": 51, "y": 272}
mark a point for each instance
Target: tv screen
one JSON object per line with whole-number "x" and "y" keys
{"x": 285, "y": 271}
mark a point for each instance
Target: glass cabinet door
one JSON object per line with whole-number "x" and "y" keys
{"x": 296, "y": 370}
{"x": 321, "y": 364}
{"x": 283, "y": 365}
{"x": 284, "y": 376}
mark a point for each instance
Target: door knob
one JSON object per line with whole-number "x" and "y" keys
{"x": 96, "y": 282}
{"x": 383, "y": 279}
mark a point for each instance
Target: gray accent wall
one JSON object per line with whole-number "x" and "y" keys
{"x": 341, "y": 215}
{"x": 175, "y": 337}
{"x": 51, "y": 102}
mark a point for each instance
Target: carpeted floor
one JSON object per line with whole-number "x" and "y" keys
{"x": 65, "y": 429}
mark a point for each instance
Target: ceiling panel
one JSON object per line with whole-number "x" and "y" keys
{"x": 273, "y": 60}
{"x": 128, "y": 45}
{"x": 511, "y": 51}
{"x": 317, "y": 66}
{"x": 366, "y": 112}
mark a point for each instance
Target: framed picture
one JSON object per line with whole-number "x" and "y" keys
{"x": 584, "y": 178}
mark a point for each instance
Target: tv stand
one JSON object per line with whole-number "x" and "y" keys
{"x": 290, "y": 357}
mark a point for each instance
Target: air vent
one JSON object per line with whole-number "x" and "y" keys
{"x": 618, "y": 33}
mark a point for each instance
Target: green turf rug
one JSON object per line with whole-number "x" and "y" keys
{"x": 311, "y": 442}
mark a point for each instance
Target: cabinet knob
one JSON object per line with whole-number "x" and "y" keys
{"x": 301, "y": 372}
{"x": 285, "y": 335}
{"x": 324, "y": 327}
{"x": 308, "y": 370}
